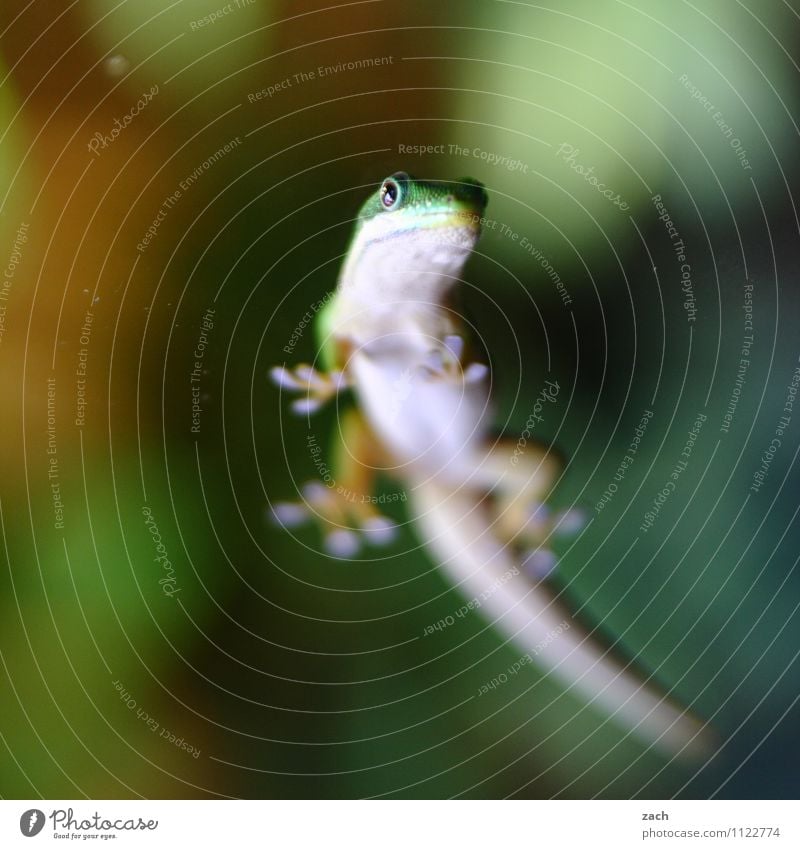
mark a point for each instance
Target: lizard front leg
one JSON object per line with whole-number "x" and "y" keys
{"x": 343, "y": 507}
{"x": 318, "y": 387}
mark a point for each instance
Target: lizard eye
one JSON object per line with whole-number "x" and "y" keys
{"x": 392, "y": 189}
{"x": 390, "y": 192}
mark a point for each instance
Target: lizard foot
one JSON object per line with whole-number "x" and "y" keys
{"x": 446, "y": 363}
{"x": 319, "y": 387}
{"x": 539, "y": 531}
{"x": 345, "y": 523}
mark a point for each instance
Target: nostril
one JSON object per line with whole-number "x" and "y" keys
{"x": 449, "y": 198}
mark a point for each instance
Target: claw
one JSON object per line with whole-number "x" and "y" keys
{"x": 342, "y": 543}
{"x": 539, "y": 519}
{"x": 569, "y": 522}
{"x": 284, "y": 378}
{"x": 315, "y": 492}
{"x": 379, "y": 531}
{"x": 319, "y": 387}
{"x": 305, "y": 372}
{"x": 455, "y": 345}
{"x": 345, "y": 526}
{"x": 306, "y": 406}
{"x": 540, "y": 563}
{"x": 445, "y": 363}
{"x": 475, "y": 372}
{"x": 289, "y": 514}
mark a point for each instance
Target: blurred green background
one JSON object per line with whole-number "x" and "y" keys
{"x": 267, "y": 669}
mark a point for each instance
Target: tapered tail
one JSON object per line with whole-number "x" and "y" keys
{"x": 457, "y": 528}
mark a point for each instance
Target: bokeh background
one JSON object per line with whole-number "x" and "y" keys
{"x": 246, "y": 136}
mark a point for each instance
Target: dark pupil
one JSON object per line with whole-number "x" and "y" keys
{"x": 389, "y": 193}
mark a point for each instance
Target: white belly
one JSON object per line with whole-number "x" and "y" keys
{"x": 433, "y": 422}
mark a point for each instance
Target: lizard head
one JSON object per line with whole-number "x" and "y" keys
{"x": 405, "y": 203}
{"x": 413, "y": 236}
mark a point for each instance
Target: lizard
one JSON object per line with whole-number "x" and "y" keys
{"x": 392, "y": 335}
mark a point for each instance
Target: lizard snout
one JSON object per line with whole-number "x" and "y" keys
{"x": 471, "y": 191}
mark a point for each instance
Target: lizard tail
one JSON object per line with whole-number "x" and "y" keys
{"x": 457, "y": 527}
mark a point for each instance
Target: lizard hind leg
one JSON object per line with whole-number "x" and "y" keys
{"x": 524, "y": 477}
{"x": 342, "y": 505}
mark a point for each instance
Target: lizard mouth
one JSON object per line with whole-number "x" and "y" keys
{"x": 462, "y": 219}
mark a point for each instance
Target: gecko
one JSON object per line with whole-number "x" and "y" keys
{"x": 394, "y": 337}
